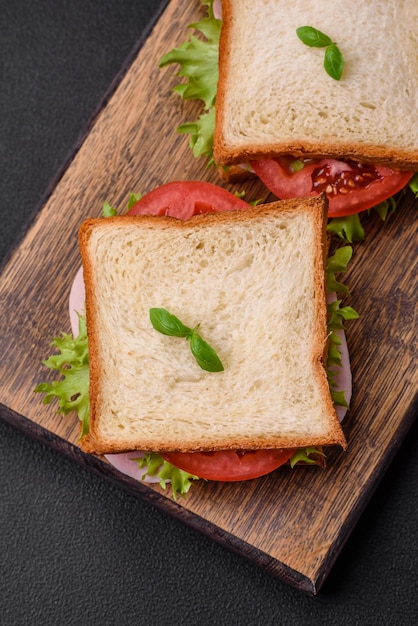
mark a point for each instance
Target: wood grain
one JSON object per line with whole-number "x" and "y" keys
{"x": 293, "y": 523}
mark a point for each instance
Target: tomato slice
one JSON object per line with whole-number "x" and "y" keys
{"x": 228, "y": 465}
{"x": 350, "y": 187}
{"x": 182, "y": 199}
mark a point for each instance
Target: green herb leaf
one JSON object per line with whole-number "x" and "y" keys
{"x": 168, "y": 324}
{"x": 313, "y": 37}
{"x": 204, "y": 354}
{"x": 333, "y": 61}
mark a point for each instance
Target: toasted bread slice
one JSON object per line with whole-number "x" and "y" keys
{"x": 254, "y": 281}
{"x": 274, "y": 96}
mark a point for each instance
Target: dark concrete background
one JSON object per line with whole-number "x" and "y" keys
{"x": 75, "y": 550}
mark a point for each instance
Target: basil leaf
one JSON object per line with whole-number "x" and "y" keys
{"x": 333, "y": 61}
{"x": 168, "y": 324}
{"x": 204, "y": 354}
{"x": 313, "y": 37}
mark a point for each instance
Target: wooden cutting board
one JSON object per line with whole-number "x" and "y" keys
{"x": 292, "y": 522}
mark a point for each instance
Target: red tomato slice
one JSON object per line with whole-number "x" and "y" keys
{"x": 182, "y": 199}
{"x": 229, "y": 466}
{"x": 350, "y": 187}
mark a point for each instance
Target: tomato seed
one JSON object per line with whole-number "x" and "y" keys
{"x": 356, "y": 176}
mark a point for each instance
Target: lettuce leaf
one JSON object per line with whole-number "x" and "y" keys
{"x": 348, "y": 228}
{"x": 155, "y": 465}
{"x": 198, "y": 61}
{"x": 72, "y": 362}
{"x": 336, "y": 316}
{"x": 307, "y": 456}
{"x": 201, "y": 135}
{"x": 413, "y": 184}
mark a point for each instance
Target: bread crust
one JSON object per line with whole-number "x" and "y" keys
{"x": 95, "y": 442}
{"x": 226, "y": 154}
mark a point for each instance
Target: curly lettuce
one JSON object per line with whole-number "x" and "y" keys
{"x": 72, "y": 363}
{"x": 336, "y": 316}
{"x": 198, "y": 61}
{"x": 154, "y": 465}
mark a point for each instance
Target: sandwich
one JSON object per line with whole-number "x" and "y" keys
{"x": 205, "y": 336}
{"x": 270, "y": 108}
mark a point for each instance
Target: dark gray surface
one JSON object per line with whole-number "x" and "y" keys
{"x": 74, "y": 549}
